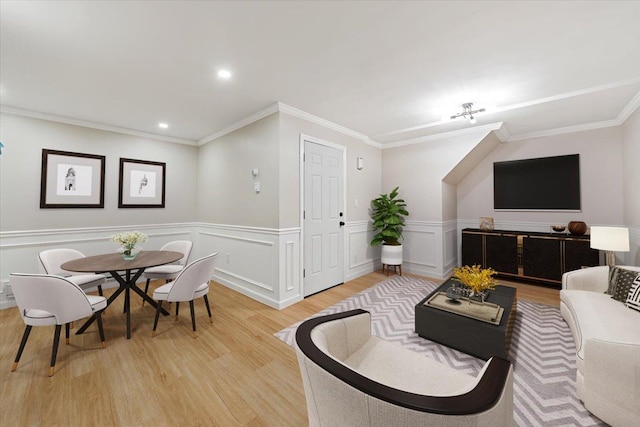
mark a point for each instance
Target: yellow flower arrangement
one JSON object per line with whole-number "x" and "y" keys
{"x": 475, "y": 278}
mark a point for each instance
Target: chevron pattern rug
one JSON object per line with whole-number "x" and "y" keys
{"x": 542, "y": 350}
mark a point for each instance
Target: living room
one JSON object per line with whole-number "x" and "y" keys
{"x": 444, "y": 170}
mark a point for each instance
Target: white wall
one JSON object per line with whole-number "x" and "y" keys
{"x": 601, "y": 181}
{"x": 225, "y": 184}
{"x": 20, "y": 163}
{"x": 631, "y": 183}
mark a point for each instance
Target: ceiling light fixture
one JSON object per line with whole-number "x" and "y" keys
{"x": 467, "y": 110}
{"x": 224, "y": 74}
{"x": 163, "y": 125}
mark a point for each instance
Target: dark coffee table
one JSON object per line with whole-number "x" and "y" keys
{"x": 474, "y": 337}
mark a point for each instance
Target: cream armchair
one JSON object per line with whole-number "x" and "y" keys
{"x": 352, "y": 378}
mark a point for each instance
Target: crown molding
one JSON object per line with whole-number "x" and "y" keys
{"x": 568, "y": 129}
{"x": 502, "y": 133}
{"x": 445, "y": 135}
{"x": 630, "y": 108}
{"x": 93, "y": 125}
{"x": 271, "y": 109}
{"x": 292, "y": 111}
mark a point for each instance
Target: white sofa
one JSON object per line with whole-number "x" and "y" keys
{"x": 352, "y": 378}
{"x": 607, "y": 338}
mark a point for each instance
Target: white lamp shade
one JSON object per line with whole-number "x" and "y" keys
{"x": 610, "y": 238}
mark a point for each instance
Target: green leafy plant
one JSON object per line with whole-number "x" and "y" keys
{"x": 388, "y": 218}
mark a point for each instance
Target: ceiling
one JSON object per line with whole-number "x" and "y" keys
{"x": 386, "y": 70}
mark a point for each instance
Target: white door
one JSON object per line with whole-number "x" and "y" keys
{"x": 323, "y": 217}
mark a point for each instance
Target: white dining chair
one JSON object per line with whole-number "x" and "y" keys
{"x": 45, "y": 300}
{"x": 191, "y": 283}
{"x": 52, "y": 259}
{"x": 168, "y": 272}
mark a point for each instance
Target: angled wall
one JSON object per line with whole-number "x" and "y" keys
{"x": 427, "y": 174}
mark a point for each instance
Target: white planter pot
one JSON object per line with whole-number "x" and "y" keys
{"x": 391, "y": 255}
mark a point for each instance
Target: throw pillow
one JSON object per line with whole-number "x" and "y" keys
{"x": 633, "y": 300}
{"x": 613, "y": 280}
{"x": 620, "y": 281}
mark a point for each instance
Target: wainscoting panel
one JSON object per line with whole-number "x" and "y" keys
{"x": 258, "y": 262}
{"x": 430, "y": 248}
{"x": 450, "y": 247}
{"x": 360, "y": 257}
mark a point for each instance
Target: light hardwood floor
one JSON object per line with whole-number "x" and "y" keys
{"x": 235, "y": 374}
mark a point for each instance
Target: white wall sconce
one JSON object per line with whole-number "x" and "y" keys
{"x": 360, "y": 163}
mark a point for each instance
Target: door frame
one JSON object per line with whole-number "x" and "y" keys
{"x": 303, "y": 138}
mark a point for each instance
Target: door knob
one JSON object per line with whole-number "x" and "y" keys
{"x": 341, "y": 223}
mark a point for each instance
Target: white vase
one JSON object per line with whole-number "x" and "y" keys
{"x": 392, "y": 255}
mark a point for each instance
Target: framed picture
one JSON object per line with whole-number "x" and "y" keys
{"x": 142, "y": 184}
{"x": 71, "y": 180}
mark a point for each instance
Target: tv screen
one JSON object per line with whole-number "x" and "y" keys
{"x": 547, "y": 183}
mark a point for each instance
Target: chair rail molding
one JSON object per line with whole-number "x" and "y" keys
{"x": 261, "y": 263}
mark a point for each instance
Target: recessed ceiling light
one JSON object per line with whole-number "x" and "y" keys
{"x": 163, "y": 125}
{"x": 224, "y": 74}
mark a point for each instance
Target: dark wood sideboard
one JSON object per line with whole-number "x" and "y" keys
{"x": 529, "y": 256}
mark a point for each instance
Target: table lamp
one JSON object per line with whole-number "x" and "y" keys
{"x": 610, "y": 240}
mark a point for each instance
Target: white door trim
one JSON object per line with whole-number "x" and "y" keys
{"x": 342, "y": 148}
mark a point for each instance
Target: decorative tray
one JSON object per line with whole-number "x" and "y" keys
{"x": 484, "y": 311}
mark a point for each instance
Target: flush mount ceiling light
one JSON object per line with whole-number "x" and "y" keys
{"x": 467, "y": 110}
{"x": 224, "y": 74}
{"x": 163, "y": 125}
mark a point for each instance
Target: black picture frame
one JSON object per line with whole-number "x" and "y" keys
{"x": 71, "y": 180}
{"x": 141, "y": 184}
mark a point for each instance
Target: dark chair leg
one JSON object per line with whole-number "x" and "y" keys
{"x": 100, "y": 329}
{"x": 193, "y": 318}
{"x": 146, "y": 290}
{"x": 25, "y": 337}
{"x": 100, "y": 290}
{"x": 155, "y": 322}
{"x": 126, "y": 301}
{"x": 206, "y": 303}
{"x": 177, "y": 309}
{"x": 54, "y": 350}
{"x": 66, "y": 333}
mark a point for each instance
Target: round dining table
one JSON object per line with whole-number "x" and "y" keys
{"x": 125, "y": 272}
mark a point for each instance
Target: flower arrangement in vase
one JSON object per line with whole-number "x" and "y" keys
{"x": 478, "y": 280}
{"x": 128, "y": 242}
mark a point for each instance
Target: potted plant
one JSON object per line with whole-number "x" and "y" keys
{"x": 388, "y": 212}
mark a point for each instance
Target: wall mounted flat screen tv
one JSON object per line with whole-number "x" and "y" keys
{"x": 546, "y": 183}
